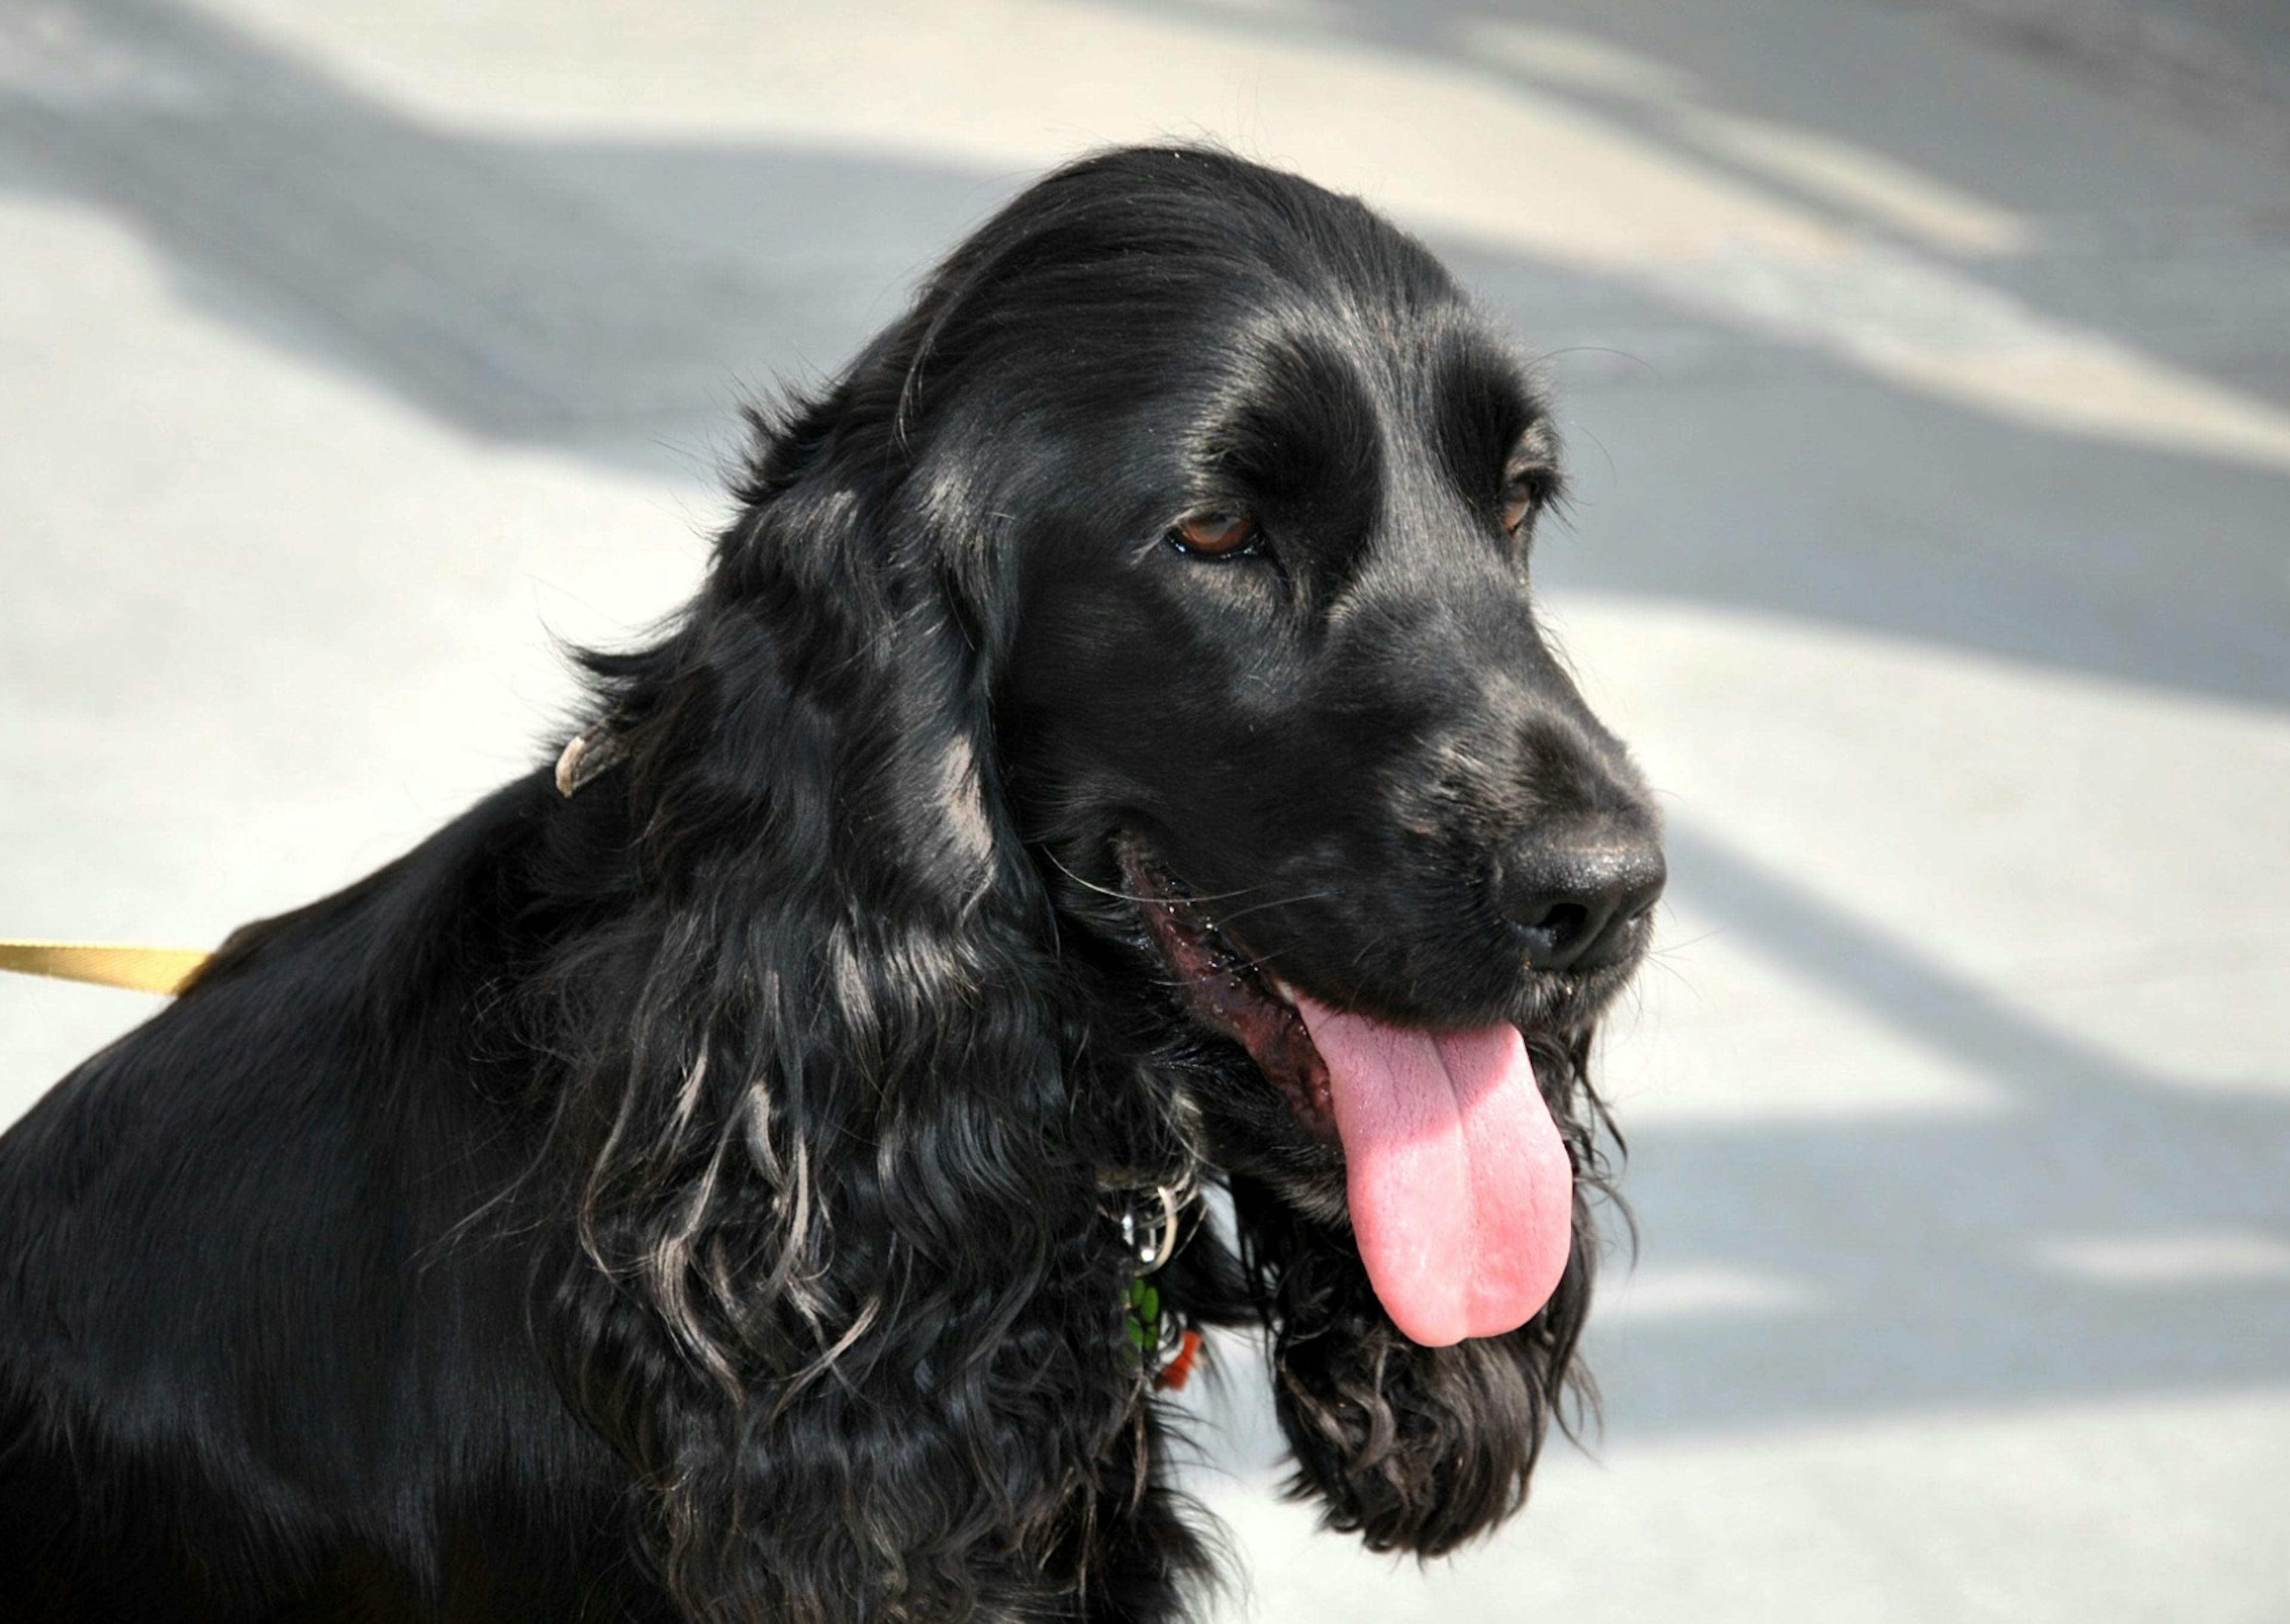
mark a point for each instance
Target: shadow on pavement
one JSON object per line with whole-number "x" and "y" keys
{"x": 1920, "y": 1239}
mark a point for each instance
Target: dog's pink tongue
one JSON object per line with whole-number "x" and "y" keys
{"x": 1462, "y": 1195}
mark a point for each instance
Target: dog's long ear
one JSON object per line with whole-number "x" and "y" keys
{"x": 1420, "y": 1449}
{"x": 840, "y": 1291}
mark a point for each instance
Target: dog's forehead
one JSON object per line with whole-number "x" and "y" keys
{"x": 1399, "y": 351}
{"x": 1378, "y": 386}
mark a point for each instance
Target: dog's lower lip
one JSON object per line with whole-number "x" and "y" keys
{"x": 1231, "y": 991}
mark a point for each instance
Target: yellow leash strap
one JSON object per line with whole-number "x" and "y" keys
{"x": 166, "y": 969}
{"x": 159, "y": 970}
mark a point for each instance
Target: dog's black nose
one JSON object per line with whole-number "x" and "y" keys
{"x": 1577, "y": 906}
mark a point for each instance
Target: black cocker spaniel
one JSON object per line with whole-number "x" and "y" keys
{"x": 760, "y": 1171}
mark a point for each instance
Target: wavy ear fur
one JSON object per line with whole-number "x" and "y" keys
{"x": 836, "y": 1283}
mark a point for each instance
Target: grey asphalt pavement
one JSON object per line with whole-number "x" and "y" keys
{"x": 1926, "y": 370}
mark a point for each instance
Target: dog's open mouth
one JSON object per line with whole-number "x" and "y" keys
{"x": 1458, "y": 1186}
{"x": 1232, "y": 992}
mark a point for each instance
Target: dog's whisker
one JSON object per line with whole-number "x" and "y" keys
{"x": 1225, "y": 916}
{"x": 1123, "y": 896}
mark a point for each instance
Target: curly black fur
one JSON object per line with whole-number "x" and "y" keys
{"x": 689, "y": 1199}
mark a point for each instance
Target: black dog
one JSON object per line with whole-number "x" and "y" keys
{"x": 1112, "y": 757}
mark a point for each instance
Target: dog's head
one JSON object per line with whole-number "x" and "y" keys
{"x": 1277, "y": 706}
{"x": 1276, "y": 680}
{"x": 1130, "y": 670}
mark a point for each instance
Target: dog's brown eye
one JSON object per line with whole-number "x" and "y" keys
{"x": 1215, "y": 533}
{"x": 1518, "y": 502}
